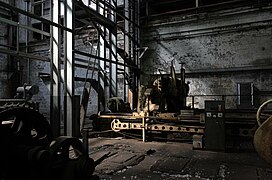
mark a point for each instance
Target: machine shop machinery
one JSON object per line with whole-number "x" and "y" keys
{"x": 163, "y": 110}
{"x": 22, "y": 98}
{"x": 29, "y": 151}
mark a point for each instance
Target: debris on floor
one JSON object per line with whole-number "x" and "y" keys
{"x": 134, "y": 159}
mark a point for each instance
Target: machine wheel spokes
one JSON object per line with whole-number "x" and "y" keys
{"x": 263, "y": 113}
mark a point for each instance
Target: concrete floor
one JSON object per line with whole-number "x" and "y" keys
{"x": 134, "y": 159}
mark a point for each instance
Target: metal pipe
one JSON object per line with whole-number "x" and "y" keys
{"x": 204, "y": 7}
{"x": 214, "y": 16}
{"x": 233, "y": 69}
{"x": 213, "y": 28}
{"x": 214, "y": 32}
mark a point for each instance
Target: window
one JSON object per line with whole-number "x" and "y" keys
{"x": 40, "y": 8}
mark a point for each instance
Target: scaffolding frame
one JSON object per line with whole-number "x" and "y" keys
{"x": 69, "y": 17}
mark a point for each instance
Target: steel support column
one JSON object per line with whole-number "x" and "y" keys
{"x": 113, "y": 53}
{"x": 68, "y": 69}
{"x": 55, "y": 71}
{"x": 101, "y": 53}
{"x": 127, "y": 48}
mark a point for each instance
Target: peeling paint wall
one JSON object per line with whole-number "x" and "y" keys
{"x": 219, "y": 50}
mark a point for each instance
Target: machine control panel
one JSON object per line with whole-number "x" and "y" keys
{"x": 214, "y": 109}
{"x": 215, "y": 125}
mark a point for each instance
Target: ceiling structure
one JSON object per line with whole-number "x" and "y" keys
{"x": 167, "y": 7}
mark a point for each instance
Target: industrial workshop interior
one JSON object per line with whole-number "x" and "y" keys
{"x": 135, "y": 89}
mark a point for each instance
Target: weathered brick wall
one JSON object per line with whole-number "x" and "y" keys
{"x": 36, "y": 68}
{"x": 43, "y": 97}
{"x": 41, "y": 48}
{"x": 83, "y": 72}
{"x": 219, "y": 51}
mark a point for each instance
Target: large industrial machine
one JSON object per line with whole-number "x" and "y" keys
{"x": 29, "y": 151}
{"x": 162, "y": 108}
{"x": 163, "y": 113}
